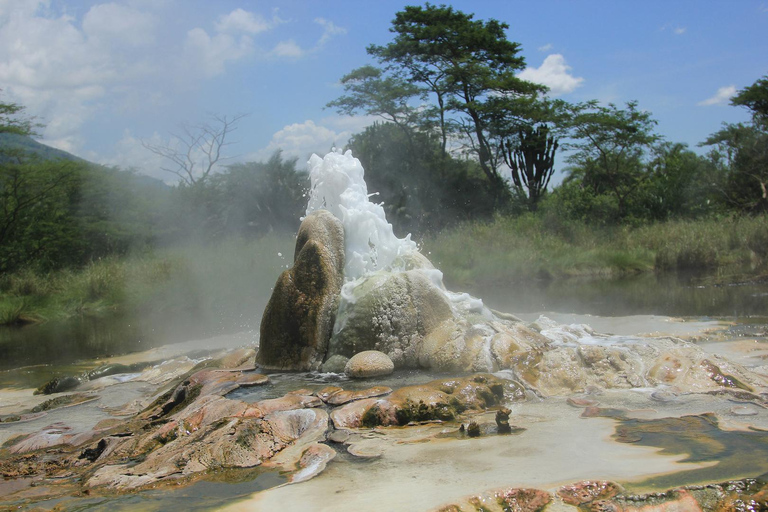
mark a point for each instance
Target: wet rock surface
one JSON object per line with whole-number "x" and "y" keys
{"x": 439, "y": 400}
{"x": 369, "y": 363}
{"x": 300, "y": 314}
{"x": 503, "y": 500}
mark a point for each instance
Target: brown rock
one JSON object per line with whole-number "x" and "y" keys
{"x": 299, "y": 317}
{"x": 369, "y": 363}
{"x": 342, "y": 397}
{"x": 588, "y": 491}
{"x": 288, "y": 403}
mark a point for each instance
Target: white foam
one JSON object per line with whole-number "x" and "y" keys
{"x": 337, "y": 185}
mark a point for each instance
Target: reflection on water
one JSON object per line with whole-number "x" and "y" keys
{"x": 68, "y": 341}
{"x": 76, "y": 339}
{"x": 669, "y": 295}
{"x": 736, "y": 454}
{"x": 224, "y": 486}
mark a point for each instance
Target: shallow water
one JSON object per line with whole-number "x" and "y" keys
{"x": 639, "y": 445}
{"x": 647, "y": 294}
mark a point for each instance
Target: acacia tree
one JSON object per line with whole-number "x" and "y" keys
{"x": 373, "y": 92}
{"x": 464, "y": 63}
{"x": 608, "y": 146}
{"x": 744, "y": 150}
{"x": 195, "y": 152}
{"x": 35, "y": 206}
{"x": 755, "y": 99}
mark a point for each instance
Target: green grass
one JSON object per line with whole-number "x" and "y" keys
{"x": 233, "y": 279}
{"x": 229, "y": 278}
{"x": 529, "y": 247}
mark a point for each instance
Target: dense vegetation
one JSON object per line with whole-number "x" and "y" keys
{"x": 462, "y": 158}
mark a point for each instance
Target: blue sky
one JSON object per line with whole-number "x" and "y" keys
{"x": 102, "y": 76}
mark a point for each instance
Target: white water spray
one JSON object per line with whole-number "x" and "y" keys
{"x": 337, "y": 185}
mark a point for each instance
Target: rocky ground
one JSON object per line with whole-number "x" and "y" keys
{"x": 188, "y": 429}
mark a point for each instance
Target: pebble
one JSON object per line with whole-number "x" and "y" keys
{"x": 743, "y": 410}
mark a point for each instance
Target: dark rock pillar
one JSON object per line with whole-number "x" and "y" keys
{"x": 298, "y": 320}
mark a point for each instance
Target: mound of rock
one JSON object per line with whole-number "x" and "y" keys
{"x": 300, "y": 314}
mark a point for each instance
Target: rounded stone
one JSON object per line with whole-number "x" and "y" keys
{"x": 335, "y": 364}
{"x": 370, "y": 363}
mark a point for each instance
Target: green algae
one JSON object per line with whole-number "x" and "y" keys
{"x": 731, "y": 454}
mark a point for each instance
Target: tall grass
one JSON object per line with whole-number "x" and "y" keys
{"x": 230, "y": 277}
{"x": 233, "y": 280}
{"x": 539, "y": 247}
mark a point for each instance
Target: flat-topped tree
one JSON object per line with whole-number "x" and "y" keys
{"x": 754, "y": 98}
{"x": 373, "y": 92}
{"x": 609, "y": 144}
{"x": 463, "y": 62}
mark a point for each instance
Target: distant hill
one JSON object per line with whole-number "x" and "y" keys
{"x": 29, "y": 145}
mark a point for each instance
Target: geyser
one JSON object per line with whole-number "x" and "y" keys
{"x": 392, "y": 299}
{"x": 365, "y": 289}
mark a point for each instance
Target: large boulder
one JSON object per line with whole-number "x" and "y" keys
{"x": 299, "y": 317}
{"x": 391, "y": 312}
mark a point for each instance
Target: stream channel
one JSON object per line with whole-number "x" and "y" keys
{"x": 558, "y": 444}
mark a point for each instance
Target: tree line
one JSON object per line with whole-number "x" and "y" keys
{"x": 460, "y": 138}
{"x": 59, "y": 211}
{"x": 474, "y": 139}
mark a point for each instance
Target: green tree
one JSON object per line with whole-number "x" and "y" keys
{"x": 741, "y": 152}
{"x": 608, "y": 149}
{"x": 754, "y": 98}
{"x": 531, "y": 159}
{"x": 464, "y": 63}
{"x": 261, "y": 197}
{"x": 421, "y": 190}
{"x": 680, "y": 184}
{"x": 36, "y": 214}
{"x": 372, "y": 92}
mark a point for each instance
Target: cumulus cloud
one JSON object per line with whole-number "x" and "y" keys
{"x": 721, "y": 97}
{"x": 210, "y": 53}
{"x": 71, "y": 66}
{"x": 288, "y": 49}
{"x": 545, "y": 48}
{"x": 113, "y": 23}
{"x": 130, "y": 153}
{"x": 241, "y": 20}
{"x": 554, "y": 72}
{"x": 300, "y": 140}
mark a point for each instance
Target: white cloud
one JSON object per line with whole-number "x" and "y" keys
{"x": 330, "y": 30}
{"x": 130, "y": 153}
{"x": 291, "y": 49}
{"x": 240, "y": 20}
{"x": 675, "y": 29}
{"x": 545, "y": 48}
{"x": 69, "y": 66}
{"x": 288, "y": 49}
{"x": 113, "y": 23}
{"x": 300, "y": 140}
{"x": 554, "y": 73}
{"x": 211, "y": 53}
{"x": 721, "y": 97}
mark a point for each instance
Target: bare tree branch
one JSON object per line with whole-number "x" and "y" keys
{"x": 194, "y": 153}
